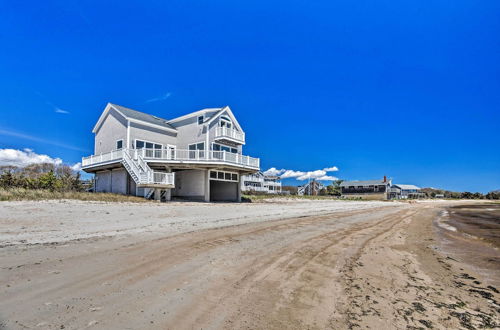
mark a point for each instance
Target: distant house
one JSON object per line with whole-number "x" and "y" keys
{"x": 369, "y": 189}
{"x": 311, "y": 188}
{"x": 195, "y": 156}
{"x": 405, "y": 191}
{"x": 259, "y": 182}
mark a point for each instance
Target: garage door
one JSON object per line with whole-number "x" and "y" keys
{"x": 224, "y": 186}
{"x": 223, "y": 191}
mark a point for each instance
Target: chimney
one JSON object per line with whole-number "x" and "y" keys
{"x": 385, "y": 179}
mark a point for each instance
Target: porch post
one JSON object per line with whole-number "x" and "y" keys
{"x": 238, "y": 192}
{"x": 207, "y": 186}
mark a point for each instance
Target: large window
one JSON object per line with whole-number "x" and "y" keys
{"x": 197, "y": 150}
{"x": 220, "y": 147}
{"x": 152, "y": 149}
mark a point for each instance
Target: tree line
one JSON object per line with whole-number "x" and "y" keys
{"x": 41, "y": 176}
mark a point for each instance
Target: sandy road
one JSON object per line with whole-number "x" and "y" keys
{"x": 356, "y": 268}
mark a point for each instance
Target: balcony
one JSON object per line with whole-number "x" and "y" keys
{"x": 229, "y": 134}
{"x": 174, "y": 156}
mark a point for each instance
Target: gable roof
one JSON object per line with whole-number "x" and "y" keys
{"x": 134, "y": 116}
{"x": 230, "y": 114}
{"x": 364, "y": 183}
{"x": 150, "y": 120}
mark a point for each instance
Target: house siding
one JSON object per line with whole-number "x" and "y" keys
{"x": 150, "y": 134}
{"x": 113, "y": 128}
{"x": 189, "y": 132}
{"x": 114, "y": 181}
{"x": 190, "y": 184}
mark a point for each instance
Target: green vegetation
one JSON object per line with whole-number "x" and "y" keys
{"x": 41, "y": 176}
{"x": 432, "y": 193}
{"x": 49, "y": 181}
{"x": 17, "y": 194}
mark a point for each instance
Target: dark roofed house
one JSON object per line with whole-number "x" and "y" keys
{"x": 368, "y": 189}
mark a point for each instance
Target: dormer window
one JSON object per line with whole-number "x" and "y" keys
{"x": 225, "y": 122}
{"x": 200, "y": 120}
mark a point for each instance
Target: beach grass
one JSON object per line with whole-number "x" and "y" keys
{"x": 18, "y": 194}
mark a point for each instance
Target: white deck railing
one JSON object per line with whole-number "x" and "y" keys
{"x": 162, "y": 178}
{"x": 102, "y": 158}
{"x": 230, "y": 133}
{"x": 176, "y": 155}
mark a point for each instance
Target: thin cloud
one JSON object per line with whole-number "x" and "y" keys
{"x": 58, "y": 110}
{"x": 327, "y": 178}
{"x": 331, "y": 169}
{"x": 160, "y": 98}
{"x": 24, "y": 136}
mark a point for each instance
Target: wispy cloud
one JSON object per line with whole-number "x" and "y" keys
{"x": 24, "y": 136}
{"x": 58, "y": 110}
{"x": 159, "y": 98}
{"x": 320, "y": 175}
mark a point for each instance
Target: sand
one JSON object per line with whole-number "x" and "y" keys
{"x": 293, "y": 265}
{"x": 35, "y": 222}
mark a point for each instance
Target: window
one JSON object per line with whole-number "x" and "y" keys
{"x": 224, "y": 176}
{"x": 220, "y": 147}
{"x": 225, "y": 122}
{"x": 152, "y": 149}
{"x": 119, "y": 144}
{"x": 197, "y": 146}
{"x": 197, "y": 150}
{"x": 200, "y": 120}
{"x": 139, "y": 144}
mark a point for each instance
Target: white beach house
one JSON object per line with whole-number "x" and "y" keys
{"x": 197, "y": 156}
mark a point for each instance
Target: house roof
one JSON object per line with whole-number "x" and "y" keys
{"x": 407, "y": 186}
{"x": 364, "y": 183}
{"x": 134, "y": 114}
{"x": 230, "y": 114}
{"x": 196, "y": 113}
{"x": 144, "y": 118}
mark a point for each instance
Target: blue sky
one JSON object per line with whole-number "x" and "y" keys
{"x": 407, "y": 89}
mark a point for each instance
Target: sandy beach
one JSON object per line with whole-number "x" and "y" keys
{"x": 272, "y": 265}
